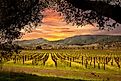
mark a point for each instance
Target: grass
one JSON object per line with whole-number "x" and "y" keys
{"x": 75, "y": 67}
{"x": 49, "y": 72}
{"x": 67, "y": 72}
{"x": 12, "y": 76}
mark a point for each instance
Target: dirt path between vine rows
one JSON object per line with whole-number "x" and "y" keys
{"x": 65, "y": 73}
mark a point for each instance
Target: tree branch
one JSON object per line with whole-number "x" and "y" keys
{"x": 102, "y": 8}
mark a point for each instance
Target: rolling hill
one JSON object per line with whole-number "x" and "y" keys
{"x": 32, "y": 42}
{"x": 75, "y": 40}
{"x": 90, "y": 39}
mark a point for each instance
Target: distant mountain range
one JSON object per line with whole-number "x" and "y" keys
{"x": 75, "y": 40}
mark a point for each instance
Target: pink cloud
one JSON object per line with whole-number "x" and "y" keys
{"x": 53, "y": 28}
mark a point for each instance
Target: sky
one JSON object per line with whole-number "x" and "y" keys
{"x": 54, "y": 28}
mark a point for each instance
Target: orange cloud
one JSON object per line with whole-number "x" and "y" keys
{"x": 53, "y": 28}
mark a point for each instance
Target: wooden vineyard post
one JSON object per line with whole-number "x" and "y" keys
{"x": 112, "y": 62}
{"x": 70, "y": 62}
{"x": 15, "y": 59}
{"x": 23, "y": 58}
{"x": 91, "y": 61}
{"x": 43, "y": 62}
{"x": 82, "y": 59}
{"x": 107, "y": 59}
{"x": 30, "y": 57}
{"x": 94, "y": 62}
{"x": 68, "y": 58}
{"x": 56, "y": 63}
{"x": 99, "y": 63}
{"x": 104, "y": 62}
{"x": 86, "y": 63}
{"x": 73, "y": 59}
{"x": 117, "y": 60}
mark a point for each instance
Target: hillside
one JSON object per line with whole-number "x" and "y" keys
{"x": 90, "y": 39}
{"x": 75, "y": 40}
{"x": 32, "y": 42}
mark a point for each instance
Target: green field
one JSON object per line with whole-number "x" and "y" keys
{"x": 70, "y": 64}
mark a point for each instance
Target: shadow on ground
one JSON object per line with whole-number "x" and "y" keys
{"x": 11, "y": 76}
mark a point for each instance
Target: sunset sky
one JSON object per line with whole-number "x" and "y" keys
{"x": 54, "y": 28}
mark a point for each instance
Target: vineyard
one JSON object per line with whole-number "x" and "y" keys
{"x": 87, "y": 59}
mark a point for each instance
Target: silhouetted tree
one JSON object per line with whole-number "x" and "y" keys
{"x": 16, "y": 15}
{"x": 38, "y": 47}
{"x": 81, "y": 12}
{"x": 26, "y": 14}
{"x": 19, "y": 14}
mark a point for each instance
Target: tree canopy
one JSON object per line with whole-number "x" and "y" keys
{"x": 19, "y": 14}
{"x": 16, "y": 15}
{"x": 82, "y": 12}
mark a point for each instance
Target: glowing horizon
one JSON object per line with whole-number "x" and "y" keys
{"x": 54, "y": 28}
